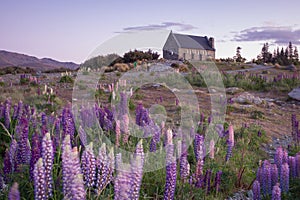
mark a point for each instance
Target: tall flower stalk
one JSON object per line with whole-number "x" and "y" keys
{"x": 73, "y": 185}
{"x": 14, "y": 193}
{"x": 88, "y": 165}
{"x": 256, "y": 190}
{"x": 48, "y": 158}
{"x": 170, "y": 168}
{"x": 40, "y": 187}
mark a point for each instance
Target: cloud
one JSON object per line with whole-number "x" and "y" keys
{"x": 276, "y": 34}
{"x": 163, "y": 25}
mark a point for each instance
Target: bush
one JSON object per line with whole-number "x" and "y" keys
{"x": 66, "y": 79}
{"x": 121, "y": 67}
{"x": 133, "y": 56}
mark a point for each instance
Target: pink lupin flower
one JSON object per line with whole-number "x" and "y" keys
{"x": 126, "y": 128}
{"x": 231, "y": 134}
{"x": 118, "y": 133}
{"x": 212, "y": 149}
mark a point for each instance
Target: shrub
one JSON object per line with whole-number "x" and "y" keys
{"x": 66, "y": 79}
{"x": 121, "y": 67}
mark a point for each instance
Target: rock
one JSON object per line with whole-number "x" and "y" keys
{"x": 247, "y": 98}
{"x": 295, "y": 94}
{"x": 291, "y": 68}
{"x": 234, "y": 90}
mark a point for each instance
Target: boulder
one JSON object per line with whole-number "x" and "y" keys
{"x": 295, "y": 94}
{"x": 291, "y": 68}
{"x": 234, "y": 90}
{"x": 247, "y": 98}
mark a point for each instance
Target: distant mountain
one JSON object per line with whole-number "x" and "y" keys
{"x": 11, "y": 59}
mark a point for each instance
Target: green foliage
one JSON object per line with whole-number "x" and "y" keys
{"x": 256, "y": 114}
{"x": 131, "y": 105}
{"x": 195, "y": 79}
{"x": 138, "y": 96}
{"x": 24, "y": 81}
{"x": 99, "y": 93}
{"x": 133, "y": 56}
{"x": 100, "y": 61}
{"x": 66, "y": 79}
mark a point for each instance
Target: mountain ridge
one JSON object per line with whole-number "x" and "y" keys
{"x": 14, "y": 59}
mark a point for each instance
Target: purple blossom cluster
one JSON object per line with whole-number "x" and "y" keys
{"x": 142, "y": 116}
{"x": 73, "y": 185}
{"x": 104, "y": 167}
{"x": 14, "y": 193}
{"x": 128, "y": 180}
{"x": 105, "y": 118}
{"x": 275, "y": 178}
{"x": 295, "y": 130}
{"x": 171, "y": 173}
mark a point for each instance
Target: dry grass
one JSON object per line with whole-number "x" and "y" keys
{"x": 121, "y": 67}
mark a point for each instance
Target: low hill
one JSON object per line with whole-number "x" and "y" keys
{"x": 11, "y": 59}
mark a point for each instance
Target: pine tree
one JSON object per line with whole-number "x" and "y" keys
{"x": 265, "y": 52}
{"x": 290, "y": 51}
{"x": 296, "y": 56}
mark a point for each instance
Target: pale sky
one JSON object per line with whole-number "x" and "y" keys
{"x": 72, "y": 30}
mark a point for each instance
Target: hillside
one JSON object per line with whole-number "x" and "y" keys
{"x": 11, "y": 59}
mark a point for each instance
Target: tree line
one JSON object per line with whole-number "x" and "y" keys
{"x": 283, "y": 56}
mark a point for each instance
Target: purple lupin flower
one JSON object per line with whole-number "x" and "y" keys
{"x": 278, "y": 158}
{"x": 274, "y": 174}
{"x": 56, "y": 134}
{"x": 82, "y": 136}
{"x": 170, "y": 169}
{"x": 35, "y": 152}
{"x": 284, "y": 177}
{"x": 7, "y": 166}
{"x": 220, "y": 130}
{"x": 77, "y": 187}
{"x": 6, "y": 112}
{"x": 104, "y": 168}
{"x": 256, "y": 190}
{"x": 285, "y": 156}
{"x": 123, "y": 108}
{"x": 207, "y": 180}
{"x": 40, "y": 188}
{"x": 73, "y": 185}
{"x": 276, "y": 192}
{"x": 218, "y": 181}
{"x": 184, "y": 164}
{"x": 44, "y": 119}
{"x": 23, "y": 150}
{"x": 14, "y": 193}
{"x": 292, "y": 165}
{"x": 67, "y": 167}
{"x": 137, "y": 164}
{"x": 198, "y": 146}
{"x": 12, "y": 153}
{"x": 68, "y": 125}
{"x": 229, "y": 150}
{"x": 122, "y": 183}
{"x": 88, "y": 165}
{"x": 297, "y": 160}
{"x": 266, "y": 178}
{"x": 19, "y": 110}
{"x": 14, "y": 116}
{"x": 48, "y": 158}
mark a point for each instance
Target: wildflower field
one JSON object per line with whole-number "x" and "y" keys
{"x": 54, "y": 150}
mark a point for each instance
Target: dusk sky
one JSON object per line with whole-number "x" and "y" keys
{"x": 71, "y": 30}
